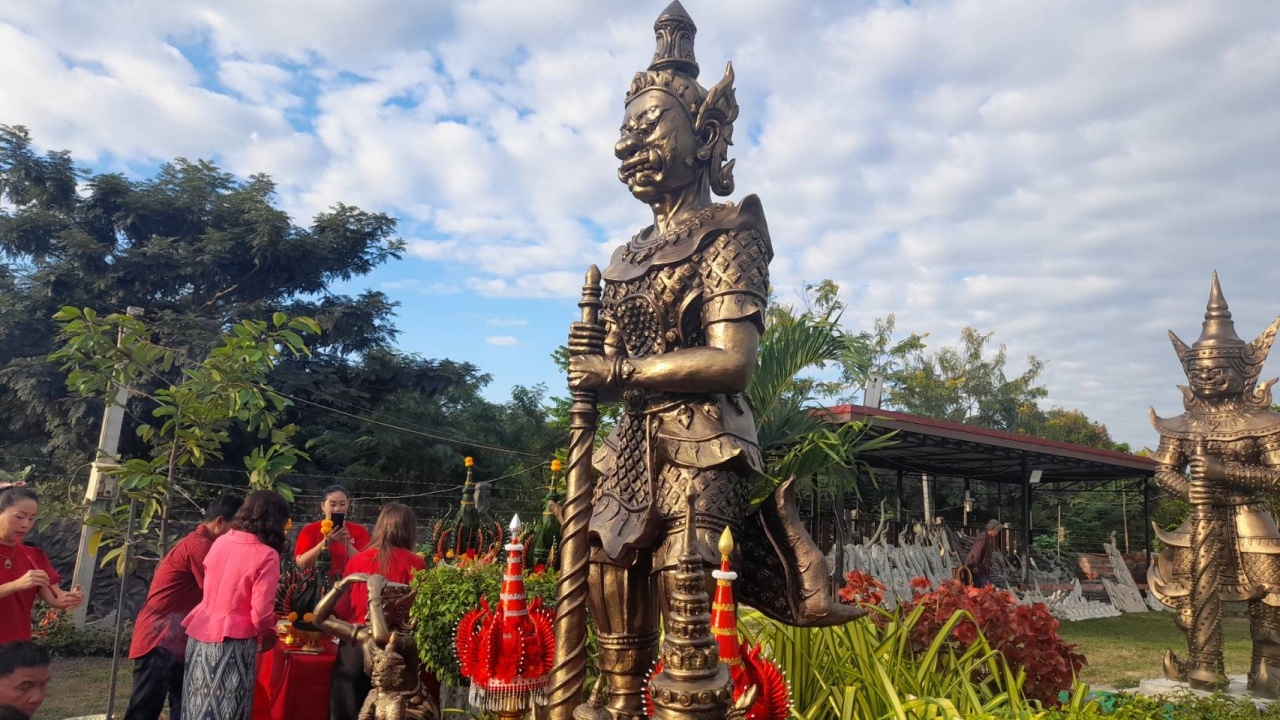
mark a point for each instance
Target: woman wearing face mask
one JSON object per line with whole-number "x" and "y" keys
{"x": 25, "y": 571}
{"x": 343, "y": 542}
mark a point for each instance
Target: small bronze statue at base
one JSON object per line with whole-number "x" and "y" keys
{"x": 1222, "y": 455}
{"x": 390, "y": 653}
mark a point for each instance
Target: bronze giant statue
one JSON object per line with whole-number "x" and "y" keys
{"x": 681, "y": 318}
{"x": 1222, "y": 455}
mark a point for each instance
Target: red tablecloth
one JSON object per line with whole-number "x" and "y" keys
{"x": 293, "y": 686}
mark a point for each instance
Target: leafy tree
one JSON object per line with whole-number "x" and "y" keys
{"x": 196, "y": 248}
{"x": 192, "y": 415}
{"x": 967, "y": 385}
{"x": 885, "y": 355}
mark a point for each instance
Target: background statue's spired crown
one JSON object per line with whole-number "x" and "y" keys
{"x": 1218, "y": 338}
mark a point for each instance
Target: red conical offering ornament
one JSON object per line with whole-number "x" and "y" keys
{"x": 747, "y": 666}
{"x": 507, "y": 654}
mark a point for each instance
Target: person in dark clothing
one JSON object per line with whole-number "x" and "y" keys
{"x": 24, "y": 676}
{"x": 9, "y": 712}
{"x": 979, "y": 558}
{"x": 159, "y": 641}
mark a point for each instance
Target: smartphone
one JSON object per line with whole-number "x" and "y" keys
{"x": 338, "y": 519}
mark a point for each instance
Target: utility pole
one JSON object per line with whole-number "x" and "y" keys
{"x": 101, "y": 488}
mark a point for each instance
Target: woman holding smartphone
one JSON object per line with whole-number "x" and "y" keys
{"x": 346, "y": 539}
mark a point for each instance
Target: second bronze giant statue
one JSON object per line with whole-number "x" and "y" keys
{"x": 680, "y": 322}
{"x": 1222, "y": 455}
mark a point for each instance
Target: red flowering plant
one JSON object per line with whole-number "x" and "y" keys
{"x": 1025, "y": 636}
{"x": 861, "y": 589}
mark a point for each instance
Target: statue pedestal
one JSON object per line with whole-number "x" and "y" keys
{"x": 1171, "y": 688}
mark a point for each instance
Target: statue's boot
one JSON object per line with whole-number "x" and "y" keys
{"x": 1264, "y": 672}
{"x": 1174, "y": 669}
{"x": 625, "y": 662}
{"x": 1204, "y": 676}
{"x": 1264, "y": 676}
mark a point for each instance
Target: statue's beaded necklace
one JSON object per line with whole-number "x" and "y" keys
{"x": 641, "y": 248}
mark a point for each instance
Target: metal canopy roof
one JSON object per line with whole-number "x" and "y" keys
{"x": 948, "y": 449}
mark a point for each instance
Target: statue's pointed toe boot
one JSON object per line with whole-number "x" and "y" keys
{"x": 1173, "y": 668}
{"x": 1204, "y": 677}
{"x": 1264, "y": 677}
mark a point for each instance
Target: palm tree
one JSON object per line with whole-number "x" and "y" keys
{"x": 794, "y": 438}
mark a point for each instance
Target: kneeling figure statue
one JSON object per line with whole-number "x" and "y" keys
{"x": 390, "y": 653}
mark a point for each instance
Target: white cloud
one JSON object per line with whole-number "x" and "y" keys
{"x": 508, "y": 322}
{"x": 1065, "y": 173}
{"x": 502, "y": 340}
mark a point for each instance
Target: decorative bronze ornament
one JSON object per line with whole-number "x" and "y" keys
{"x": 680, "y": 317}
{"x": 1221, "y": 455}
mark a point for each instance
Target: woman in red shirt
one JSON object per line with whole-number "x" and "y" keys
{"x": 25, "y": 571}
{"x": 390, "y": 554}
{"x": 343, "y": 542}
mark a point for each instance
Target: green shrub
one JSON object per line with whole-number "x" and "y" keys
{"x": 55, "y": 632}
{"x": 445, "y": 593}
{"x": 1120, "y": 706}
{"x": 869, "y": 670}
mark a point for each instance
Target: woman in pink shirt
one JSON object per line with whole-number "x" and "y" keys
{"x": 236, "y": 617}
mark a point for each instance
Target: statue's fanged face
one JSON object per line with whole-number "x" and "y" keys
{"x": 658, "y": 146}
{"x": 1214, "y": 378}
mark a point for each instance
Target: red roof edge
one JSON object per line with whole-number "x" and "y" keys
{"x": 857, "y": 413}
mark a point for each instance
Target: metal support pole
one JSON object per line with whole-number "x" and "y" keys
{"x": 1146, "y": 517}
{"x": 124, "y": 584}
{"x": 899, "y": 515}
{"x": 1026, "y": 523}
{"x": 838, "y": 576}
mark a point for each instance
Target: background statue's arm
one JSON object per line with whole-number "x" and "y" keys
{"x": 1169, "y": 463}
{"x": 324, "y": 618}
{"x": 1261, "y": 478}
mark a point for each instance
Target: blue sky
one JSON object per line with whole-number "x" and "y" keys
{"x": 1065, "y": 173}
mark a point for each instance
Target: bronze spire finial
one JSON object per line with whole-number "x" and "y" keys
{"x": 1219, "y": 330}
{"x": 674, "y": 31}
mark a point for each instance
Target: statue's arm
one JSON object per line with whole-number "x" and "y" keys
{"x": 735, "y": 287}
{"x": 376, "y": 618}
{"x": 1169, "y": 463}
{"x": 324, "y": 618}
{"x": 723, "y": 366}
{"x": 1260, "y": 478}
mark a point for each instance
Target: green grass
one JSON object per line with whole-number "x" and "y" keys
{"x": 1122, "y": 651}
{"x": 79, "y": 687}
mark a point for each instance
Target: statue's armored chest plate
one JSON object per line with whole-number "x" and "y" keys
{"x": 1239, "y": 450}
{"x": 659, "y": 311}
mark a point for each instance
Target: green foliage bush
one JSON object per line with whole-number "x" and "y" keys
{"x": 1119, "y": 706}
{"x": 55, "y": 632}
{"x": 445, "y": 593}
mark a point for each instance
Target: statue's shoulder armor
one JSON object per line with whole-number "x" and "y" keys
{"x": 1250, "y": 423}
{"x": 726, "y": 217}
